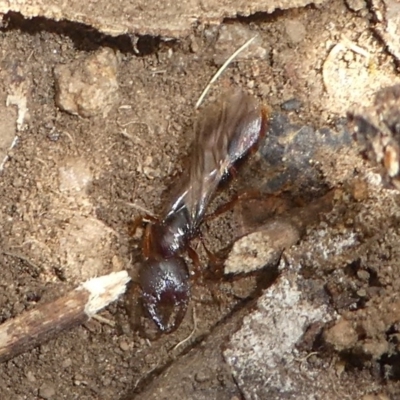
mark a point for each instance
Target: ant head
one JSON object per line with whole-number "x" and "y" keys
{"x": 166, "y": 289}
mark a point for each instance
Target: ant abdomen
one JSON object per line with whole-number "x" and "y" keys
{"x": 166, "y": 291}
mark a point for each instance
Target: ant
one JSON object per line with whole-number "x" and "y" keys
{"x": 225, "y": 133}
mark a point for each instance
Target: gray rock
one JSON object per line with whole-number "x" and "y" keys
{"x": 88, "y": 87}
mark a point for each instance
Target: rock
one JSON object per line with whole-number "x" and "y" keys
{"x": 124, "y": 345}
{"x": 262, "y": 354}
{"x": 259, "y": 249}
{"x": 356, "y": 5}
{"x": 30, "y": 376}
{"x": 88, "y": 87}
{"x": 292, "y": 105}
{"x": 231, "y": 37}
{"x": 84, "y": 246}
{"x": 376, "y": 131}
{"x": 342, "y": 335}
{"x": 66, "y": 363}
{"x": 295, "y": 30}
{"x": 74, "y": 176}
{"x": 388, "y": 24}
{"x": 47, "y": 391}
{"x": 375, "y": 349}
{"x": 146, "y": 18}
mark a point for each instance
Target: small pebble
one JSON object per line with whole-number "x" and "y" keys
{"x": 74, "y": 176}
{"x": 194, "y": 45}
{"x": 201, "y": 377}
{"x": 17, "y": 182}
{"x": 47, "y": 391}
{"x": 356, "y": 5}
{"x": 291, "y": 105}
{"x": 360, "y": 190}
{"x": 106, "y": 381}
{"x": 30, "y": 376}
{"x": 375, "y": 349}
{"x": 342, "y": 335}
{"x": 88, "y": 87}
{"x": 66, "y": 363}
{"x": 78, "y": 378}
{"x": 361, "y": 293}
{"x": 295, "y": 30}
{"x": 231, "y": 37}
{"x": 363, "y": 275}
{"x": 124, "y": 346}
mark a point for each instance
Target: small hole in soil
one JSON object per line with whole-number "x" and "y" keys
{"x": 148, "y": 45}
{"x": 390, "y": 366}
{"x": 33, "y": 297}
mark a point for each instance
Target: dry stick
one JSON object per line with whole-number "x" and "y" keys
{"x": 37, "y": 326}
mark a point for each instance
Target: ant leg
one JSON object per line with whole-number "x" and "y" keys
{"x": 134, "y": 307}
{"x": 196, "y": 262}
{"x": 248, "y": 195}
{"x": 215, "y": 263}
{"x": 146, "y": 221}
{"x": 232, "y": 172}
{"x": 140, "y": 221}
{"x": 214, "y": 259}
{"x": 138, "y": 318}
{"x": 146, "y": 244}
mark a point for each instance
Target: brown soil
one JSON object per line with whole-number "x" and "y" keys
{"x": 130, "y": 157}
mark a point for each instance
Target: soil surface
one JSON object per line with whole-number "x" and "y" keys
{"x": 72, "y": 182}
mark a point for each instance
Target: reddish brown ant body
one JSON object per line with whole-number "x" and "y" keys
{"x": 224, "y": 133}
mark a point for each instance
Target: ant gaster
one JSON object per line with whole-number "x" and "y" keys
{"x": 225, "y": 132}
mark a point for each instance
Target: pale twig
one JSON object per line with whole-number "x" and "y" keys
{"x": 303, "y": 360}
{"x": 30, "y": 55}
{"x": 23, "y": 258}
{"x": 354, "y": 47}
{"x": 134, "y": 122}
{"x": 13, "y": 144}
{"x": 129, "y": 123}
{"x": 140, "y": 208}
{"x": 103, "y": 320}
{"x": 125, "y": 107}
{"x": 69, "y": 136}
{"x": 222, "y": 69}
{"x": 342, "y": 45}
{"x": 124, "y": 133}
{"x": 191, "y": 333}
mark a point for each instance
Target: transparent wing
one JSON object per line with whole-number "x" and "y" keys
{"x": 224, "y": 133}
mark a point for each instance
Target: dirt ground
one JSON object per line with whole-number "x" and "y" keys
{"x": 71, "y": 184}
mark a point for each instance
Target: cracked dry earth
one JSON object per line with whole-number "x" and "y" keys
{"x": 95, "y": 130}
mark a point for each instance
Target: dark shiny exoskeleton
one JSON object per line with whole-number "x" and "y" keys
{"x": 224, "y": 133}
